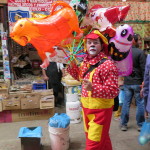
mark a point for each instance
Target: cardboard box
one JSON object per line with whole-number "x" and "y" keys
{"x": 1, "y": 106}
{"x": 2, "y": 91}
{"x": 30, "y": 101}
{"x": 32, "y": 114}
{"x": 3, "y": 87}
{"x": 47, "y": 102}
{"x": 12, "y": 102}
{"x": 44, "y": 92}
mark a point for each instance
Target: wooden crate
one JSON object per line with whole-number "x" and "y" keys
{"x": 1, "y": 109}
{"x": 32, "y": 114}
{"x": 12, "y": 102}
{"x": 30, "y": 101}
{"x": 47, "y": 102}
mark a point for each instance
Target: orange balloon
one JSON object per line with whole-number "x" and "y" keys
{"x": 37, "y": 15}
{"x": 44, "y": 33}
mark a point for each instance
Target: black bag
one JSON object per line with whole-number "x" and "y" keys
{"x": 116, "y": 103}
{"x": 92, "y": 67}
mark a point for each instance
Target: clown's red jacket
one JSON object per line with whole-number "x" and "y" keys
{"x": 104, "y": 79}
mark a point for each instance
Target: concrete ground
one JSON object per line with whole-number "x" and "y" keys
{"x": 120, "y": 140}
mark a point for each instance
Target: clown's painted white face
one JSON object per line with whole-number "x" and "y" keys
{"x": 94, "y": 46}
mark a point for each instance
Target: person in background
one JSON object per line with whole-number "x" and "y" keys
{"x": 132, "y": 87}
{"x": 121, "y": 97}
{"x": 53, "y": 75}
{"x": 146, "y": 87}
{"x": 137, "y": 41}
{"x": 99, "y": 88}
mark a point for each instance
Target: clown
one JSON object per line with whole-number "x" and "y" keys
{"x": 99, "y": 78}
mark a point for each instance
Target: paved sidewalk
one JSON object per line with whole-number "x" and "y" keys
{"x": 120, "y": 140}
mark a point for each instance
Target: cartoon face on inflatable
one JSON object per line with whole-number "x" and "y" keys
{"x": 120, "y": 44}
{"x": 23, "y": 31}
{"x": 120, "y": 49}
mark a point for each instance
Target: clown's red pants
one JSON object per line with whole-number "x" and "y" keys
{"x": 96, "y": 125}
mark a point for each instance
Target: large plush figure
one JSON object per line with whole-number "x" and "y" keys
{"x": 44, "y": 33}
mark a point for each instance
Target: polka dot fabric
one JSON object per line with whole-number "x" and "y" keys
{"x": 105, "y": 77}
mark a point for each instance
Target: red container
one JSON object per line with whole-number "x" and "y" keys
{"x": 36, "y": 63}
{"x": 5, "y": 116}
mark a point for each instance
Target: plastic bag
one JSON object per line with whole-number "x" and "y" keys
{"x": 30, "y": 132}
{"x": 59, "y": 120}
{"x": 144, "y": 136}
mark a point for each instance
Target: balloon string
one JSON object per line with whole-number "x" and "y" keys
{"x": 78, "y": 47}
{"x": 71, "y": 57}
{"x": 66, "y": 54}
{"x": 73, "y": 42}
{"x": 80, "y": 43}
{"x": 80, "y": 51}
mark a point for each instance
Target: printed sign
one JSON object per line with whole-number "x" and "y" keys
{"x": 6, "y": 66}
{"x": 18, "y": 14}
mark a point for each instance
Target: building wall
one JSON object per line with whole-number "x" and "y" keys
{"x": 3, "y": 1}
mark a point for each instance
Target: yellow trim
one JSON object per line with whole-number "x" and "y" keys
{"x": 96, "y": 103}
{"x": 104, "y": 39}
{"x": 90, "y": 79}
{"x": 84, "y": 124}
{"x": 91, "y": 75}
{"x": 91, "y": 117}
{"x": 95, "y": 131}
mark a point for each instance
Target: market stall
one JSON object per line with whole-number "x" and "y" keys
{"x": 22, "y": 64}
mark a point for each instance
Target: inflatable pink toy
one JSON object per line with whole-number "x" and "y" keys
{"x": 120, "y": 49}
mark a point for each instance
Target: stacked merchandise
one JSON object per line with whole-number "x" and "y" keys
{"x": 28, "y": 101}
{"x": 3, "y": 93}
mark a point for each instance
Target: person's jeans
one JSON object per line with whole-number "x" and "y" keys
{"x": 130, "y": 91}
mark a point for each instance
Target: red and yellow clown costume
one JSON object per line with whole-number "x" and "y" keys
{"x": 97, "y": 105}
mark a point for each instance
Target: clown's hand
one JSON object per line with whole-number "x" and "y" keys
{"x": 87, "y": 85}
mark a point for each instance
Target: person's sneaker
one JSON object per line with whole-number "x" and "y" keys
{"x": 139, "y": 129}
{"x": 117, "y": 118}
{"x": 124, "y": 128}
